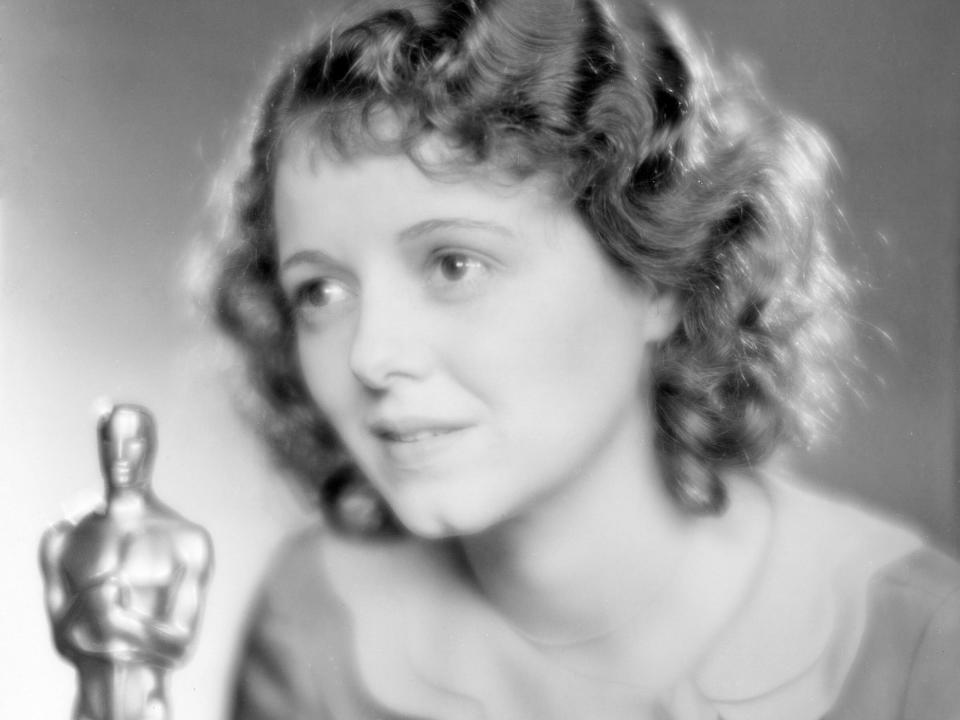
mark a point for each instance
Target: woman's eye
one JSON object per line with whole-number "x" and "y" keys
{"x": 457, "y": 267}
{"x": 318, "y": 295}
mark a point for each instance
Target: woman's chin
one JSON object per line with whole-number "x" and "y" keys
{"x": 445, "y": 522}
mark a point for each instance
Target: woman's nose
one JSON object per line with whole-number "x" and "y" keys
{"x": 389, "y": 342}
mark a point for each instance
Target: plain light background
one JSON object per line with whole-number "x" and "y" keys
{"x": 115, "y": 118}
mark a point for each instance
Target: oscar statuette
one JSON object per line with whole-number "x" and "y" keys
{"x": 124, "y": 584}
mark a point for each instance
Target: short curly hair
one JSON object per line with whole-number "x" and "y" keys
{"x": 689, "y": 179}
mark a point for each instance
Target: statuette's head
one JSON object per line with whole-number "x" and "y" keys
{"x": 128, "y": 442}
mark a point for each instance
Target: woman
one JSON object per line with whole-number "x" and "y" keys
{"x": 529, "y": 299}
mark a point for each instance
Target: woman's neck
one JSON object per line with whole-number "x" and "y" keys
{"x": 610, "y": 554}
{"x": 588, "y": 555}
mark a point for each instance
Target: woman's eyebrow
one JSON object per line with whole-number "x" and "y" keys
{"x": 427, "y": 227}
{"x": 305, "y": 256}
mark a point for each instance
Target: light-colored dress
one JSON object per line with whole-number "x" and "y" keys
{"x": 851, "y": 618}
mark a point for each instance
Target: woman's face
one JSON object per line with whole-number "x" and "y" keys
{"x": 473, "y": 348}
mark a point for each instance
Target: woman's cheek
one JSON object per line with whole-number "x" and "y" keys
{"x": 325, "y": 364}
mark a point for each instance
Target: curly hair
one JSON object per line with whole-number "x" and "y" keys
{"x": 690, "y": 180}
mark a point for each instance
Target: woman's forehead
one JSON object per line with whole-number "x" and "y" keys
{"x": 379, "y": 191}
{"x": 434, "y": 160}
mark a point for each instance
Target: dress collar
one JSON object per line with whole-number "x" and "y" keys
{"x": 427, "y": 646}
{"x": 797, "y": 635}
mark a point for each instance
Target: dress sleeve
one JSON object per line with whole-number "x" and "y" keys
{"x": 275, "y": 677}
{"x": 908, "y": 663}
{"x": 934, "y": 689}
{"x": 295, "y": 661}
{"x": 270, "y": 682}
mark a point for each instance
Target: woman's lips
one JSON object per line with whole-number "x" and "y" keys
{"x": 417, "y": 444}
{"x": 414, "y": 436}
{"x": 410, "y": 427}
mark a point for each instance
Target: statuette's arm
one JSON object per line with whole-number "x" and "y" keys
{"x": 59, "y": 599}
{"x": 171, "y": 635}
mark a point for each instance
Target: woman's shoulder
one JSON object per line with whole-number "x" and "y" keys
{"x": 908, "y": 659}
{"x": 358, "y": 628}
{"x": 315, "y": 563}
{"x": 927, "y": 576}
{"x": 317, "y": 577}
{"x": 270, "y": 678}
{"x": 837, "y": 575}
{"x": 296, "y": 659}
{"x": 894, "y": 557}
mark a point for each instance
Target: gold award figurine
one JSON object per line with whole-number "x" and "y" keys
{"x": 125, "y": 583}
